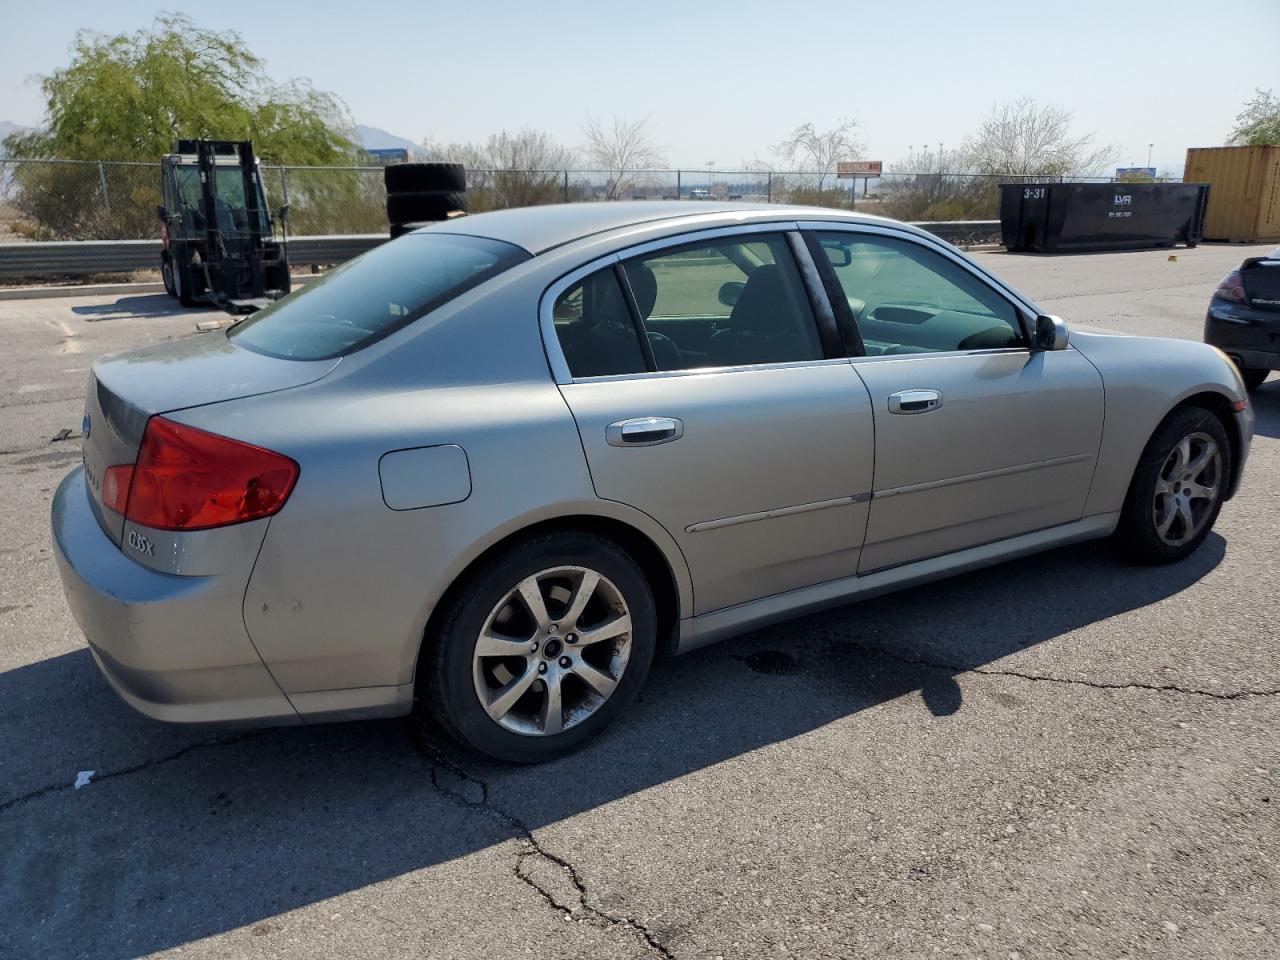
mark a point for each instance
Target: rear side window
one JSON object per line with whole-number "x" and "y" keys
{"x": 739, "y": 300}
{"x": 595, "y": 330}
{"x": 374, "y": 295}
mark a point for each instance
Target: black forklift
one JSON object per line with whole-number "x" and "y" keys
{"x": 219, "y": 243}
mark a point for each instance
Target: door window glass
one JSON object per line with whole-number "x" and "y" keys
{"x": 732, "y": 301}
{"x": 595, "y": 328}
{"x": 908, "y": 299}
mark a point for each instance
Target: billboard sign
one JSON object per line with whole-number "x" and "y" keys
{"x": 1135, "y": 173}
{"x": 859, "y": 168}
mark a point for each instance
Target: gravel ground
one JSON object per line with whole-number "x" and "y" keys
{"x": 1058, "y": 757}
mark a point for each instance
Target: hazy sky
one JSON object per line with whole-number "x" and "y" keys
{"x": 722, "y": 81}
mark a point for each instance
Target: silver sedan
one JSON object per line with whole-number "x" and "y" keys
{"x": 493, "y": 468}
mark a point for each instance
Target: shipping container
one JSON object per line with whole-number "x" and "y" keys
{"x": 1245, "y": 202}
{"x": 1101, "y": 216}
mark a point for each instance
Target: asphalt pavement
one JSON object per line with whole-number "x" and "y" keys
{"x": 1062, "y": 756}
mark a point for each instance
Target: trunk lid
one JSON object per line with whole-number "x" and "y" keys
{"x": 126, "y": 390}
{"x": 1261, "y": 278}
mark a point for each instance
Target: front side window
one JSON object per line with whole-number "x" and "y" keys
{"x": 373, "y": 295}
{"x": 723, "y": 303}
{"x": 908, "y": 299}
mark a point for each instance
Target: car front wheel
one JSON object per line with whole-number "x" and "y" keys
{"x": 541, "y": 648}
{"x": 1177, "y": 488}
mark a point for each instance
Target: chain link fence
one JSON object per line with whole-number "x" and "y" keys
{"x": 92, "y": 200}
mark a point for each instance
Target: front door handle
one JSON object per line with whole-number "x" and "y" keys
{"x": 915, "y": 401}
{"x": 643, "y": 431}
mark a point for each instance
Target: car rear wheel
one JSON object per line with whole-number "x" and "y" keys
{"x": 1177, "y": 488}
{"x": 541, "y": 648}
{"x": 1252, "y": 377}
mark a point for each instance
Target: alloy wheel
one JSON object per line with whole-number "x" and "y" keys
{"x": 552, "y": 651}
{"x": 1187, "y": 489}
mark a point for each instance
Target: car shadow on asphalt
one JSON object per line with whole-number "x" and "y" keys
{"x": 186, "y": 834}
{"x": 1266, "y": 408}
{"x": 141, "y": 306}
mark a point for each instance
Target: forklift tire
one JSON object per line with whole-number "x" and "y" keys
{"x": 423, "y": 205}
{"x": 412, "y": 177}
{"x": 182, "y": 286}
{"x": 166, "y": 274}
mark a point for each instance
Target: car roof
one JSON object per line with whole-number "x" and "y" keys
{"x": 538, "y": 229}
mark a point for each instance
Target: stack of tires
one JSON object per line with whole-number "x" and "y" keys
{"x": 421, "y": 193}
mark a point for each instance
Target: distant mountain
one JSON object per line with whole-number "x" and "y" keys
{"x": 372, "y": 138}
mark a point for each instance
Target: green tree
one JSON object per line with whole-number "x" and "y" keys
{"x": 1258, "y": 124}
{"x": 128, "y": 97}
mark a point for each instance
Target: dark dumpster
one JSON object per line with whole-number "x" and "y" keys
{"x": 1049, "y": 217}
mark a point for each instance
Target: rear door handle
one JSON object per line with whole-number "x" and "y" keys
{"x": 915, "y": 401}
{"x": 643, "y": 431}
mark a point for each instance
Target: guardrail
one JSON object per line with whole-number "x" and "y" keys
{"x": 80, "y": 258}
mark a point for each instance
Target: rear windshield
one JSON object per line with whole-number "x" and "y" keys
{"x": 373, "y": 295}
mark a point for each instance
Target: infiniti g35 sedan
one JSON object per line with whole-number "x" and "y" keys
{"x": 491, "y": 469}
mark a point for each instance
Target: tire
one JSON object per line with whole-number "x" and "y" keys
{"x": 407, "y": 177}
{"x": 453, "y": 675}
{"x": 166, "y": 275}
{"x": 423, "y": 205}
{"x": 1252, "y": 377}
{"x": 182, "y": 285}
{"x": 1151, "y": 503}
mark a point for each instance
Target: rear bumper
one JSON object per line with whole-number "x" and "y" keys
{"x": 174, "y": 648}
{"x": 1249, "y": 334}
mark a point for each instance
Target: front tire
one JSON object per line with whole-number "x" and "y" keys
{"x": 1177, "y": 488}
{"x": 541, "y": 648}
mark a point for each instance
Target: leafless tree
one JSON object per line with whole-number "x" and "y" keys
{"x": 934, "y": 185}
{"x": 1022, "y": 138}
{"x": 811, "y": 149}
{"x": 509, "y": 169}
{"x": 621, "y": 147}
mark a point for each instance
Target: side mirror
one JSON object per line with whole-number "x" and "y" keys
{"x": 161, "y": 212}
{"x": 1051, "y": 333}
{"x": 839, "y": 254}
{"x": 730, "y": 292}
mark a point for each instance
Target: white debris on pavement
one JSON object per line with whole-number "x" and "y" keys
{"x": 83, "y": 778}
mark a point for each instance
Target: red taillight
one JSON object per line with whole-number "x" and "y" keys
{"x": 1232, "y": 288}
{"x": 186, "y": 479}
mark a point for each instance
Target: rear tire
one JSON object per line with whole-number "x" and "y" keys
{"x": 406, "y": 177}
{"x": 501, "y": 704}
{"x": 1177, "y": 488}
{"x": 166, "y": 275}
{"x": 1253, "y": 378}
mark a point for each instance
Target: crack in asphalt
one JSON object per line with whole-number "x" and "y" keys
{"x": 125, "y": 771}
{"x": 1065, "y": 681}
{"x": 533, "y": 850}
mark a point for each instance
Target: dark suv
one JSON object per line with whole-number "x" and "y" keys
{"x": 1244, "y": 317}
